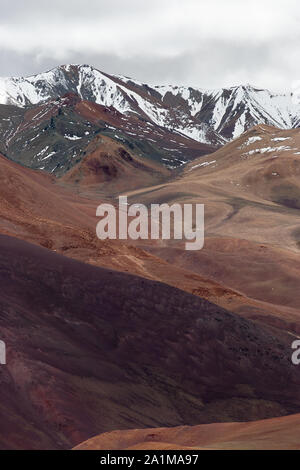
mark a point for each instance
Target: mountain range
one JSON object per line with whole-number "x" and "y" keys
{"x": 141, "y": 339}
{"x": 210, "y": 117}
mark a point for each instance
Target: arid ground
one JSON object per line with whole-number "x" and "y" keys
{"x": 150, "y": 344}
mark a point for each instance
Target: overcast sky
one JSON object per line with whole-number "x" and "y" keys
{"x": 203, "y": 43}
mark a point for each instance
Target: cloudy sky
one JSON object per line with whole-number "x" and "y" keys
{"x": 204, "y": 43}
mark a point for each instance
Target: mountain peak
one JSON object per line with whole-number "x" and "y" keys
{"x": 203, "y": 115}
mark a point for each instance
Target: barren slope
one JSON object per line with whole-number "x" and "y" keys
{"x": 35, "y": 208}
{"x": 219, "y": 367}
{"x": 272, "y": 434}
{"x": 92, "y": 350}
{"x": 250, "y": 191}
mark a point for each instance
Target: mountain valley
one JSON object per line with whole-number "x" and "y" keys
{"x": 123, "y": 336}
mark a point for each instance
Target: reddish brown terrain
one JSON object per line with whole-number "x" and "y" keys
{"x": 160, "y": 138}
{"x": 109, "y": 168}
{"x": 271, "y": 434}
{"x": 249, "y": 188}
{"x": 93, "y": 349}
{"x": 54, "y": 136}
{"x": 33, "y": 207}
{"x": 90, "y": 350}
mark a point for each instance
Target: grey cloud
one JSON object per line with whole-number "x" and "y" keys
{"x": 152, "y": 41}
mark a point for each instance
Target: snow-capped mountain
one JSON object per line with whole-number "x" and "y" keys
{"x": 211, "y": 117}
{"x": 126, "y": 96}
{"x": 231, "y": 111}
{"x": 55, "y": 135}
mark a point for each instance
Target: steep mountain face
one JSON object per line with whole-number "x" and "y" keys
{"x": 55, "y": 135}
{"x": 91, "y": 350}
{"x": 49, "y": 137}
{"x": 210, "y": 117}
{"x": 90, "y": 84}
{"x": 232, "y": 111}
